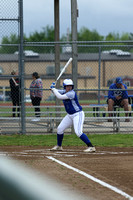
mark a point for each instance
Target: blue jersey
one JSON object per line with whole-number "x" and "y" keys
{"x": 71, "y": 105}
{"x": 112, "y": 94}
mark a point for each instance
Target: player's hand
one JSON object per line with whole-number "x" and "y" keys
{"x": 118, "y": 97}
{"x": 52, "y": 86}
{"x": 122, "y": 86}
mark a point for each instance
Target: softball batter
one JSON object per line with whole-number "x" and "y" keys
{"x": 75, "y": 115}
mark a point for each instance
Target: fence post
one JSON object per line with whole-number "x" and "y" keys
{"x": 21, "y": 67}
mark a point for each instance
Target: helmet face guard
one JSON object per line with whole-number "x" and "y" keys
{"x": 68, "y": 82}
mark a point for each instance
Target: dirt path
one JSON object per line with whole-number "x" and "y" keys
{"x": 110, "y": 165}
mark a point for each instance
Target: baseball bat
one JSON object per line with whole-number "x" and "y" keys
{"x": 14, "y": 81}
{"x": 62, "y": 71}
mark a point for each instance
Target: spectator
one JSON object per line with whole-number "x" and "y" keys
{"x": 36, "y": 94}
{"x": 15, "y": 93}
{"x": 118, "y": 97}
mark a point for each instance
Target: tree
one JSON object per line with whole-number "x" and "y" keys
{"x": 12, "y": 39}
{"x": 125, "y": 37}
{"x": 46, "y": 35}
{"x": 86, "y": 35}
{"x": 112, "y": 37}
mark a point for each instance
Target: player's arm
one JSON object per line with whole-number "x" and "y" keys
{"x": 125, "y": 92}
{"x": 123, "y": 87}
{"x": 58, "y": 95}
{"x": 111, "y": 93}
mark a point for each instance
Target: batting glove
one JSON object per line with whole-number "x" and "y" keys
{"x": 52, "y": 86}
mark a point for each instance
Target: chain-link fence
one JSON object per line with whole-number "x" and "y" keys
{"x": 96, "y": 70}
{"x": 98, "y": 65}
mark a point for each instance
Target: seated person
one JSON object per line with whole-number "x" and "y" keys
{"x": 118, "y": 97}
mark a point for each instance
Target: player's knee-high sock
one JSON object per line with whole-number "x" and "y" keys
{"x": 59, "y": 139}
{"x": 86, "y": 140}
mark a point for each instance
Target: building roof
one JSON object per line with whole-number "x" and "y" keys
{"x": 64, "y": 57}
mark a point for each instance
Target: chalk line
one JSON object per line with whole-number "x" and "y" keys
{"x": 115, "y": 189}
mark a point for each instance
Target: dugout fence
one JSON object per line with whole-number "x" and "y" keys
{"x": 96, "y": 71}
{"x": 98, "y": 64}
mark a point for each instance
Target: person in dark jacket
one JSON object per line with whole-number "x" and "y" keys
{"x": 15, "y": 94}
{"x": 36, "y": 94}
{"x": 118, "y": 97}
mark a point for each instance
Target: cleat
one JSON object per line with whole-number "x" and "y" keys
{"x": 56, "y": 148}
{"x": 90, "y": 149}
{"x": 36, "y": 119}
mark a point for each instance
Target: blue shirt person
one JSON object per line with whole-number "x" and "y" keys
{"x": 118, "y": 97}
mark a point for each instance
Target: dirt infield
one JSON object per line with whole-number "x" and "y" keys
{"x": 111, "y": 166}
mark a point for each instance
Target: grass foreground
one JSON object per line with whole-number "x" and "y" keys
{"x": 108, "y": 140}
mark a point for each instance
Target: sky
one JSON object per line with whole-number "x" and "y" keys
{"x": 104, "y": 16}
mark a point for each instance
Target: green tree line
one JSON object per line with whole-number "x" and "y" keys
{"x": 47, "y": 35}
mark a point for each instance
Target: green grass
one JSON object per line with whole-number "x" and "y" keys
{"x": 110, "y": 140}
{"x": 7, "y": 112}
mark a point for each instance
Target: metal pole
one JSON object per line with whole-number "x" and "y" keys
{"x": 74, "y": 40}
{"x": 21, "y": 67}
{"x": 57, "y": 38}
{"x": 99, "y": 75}
{"x": 74, "y": 16}
{"x": 57, "y": 48}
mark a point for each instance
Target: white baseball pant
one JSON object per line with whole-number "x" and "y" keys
{"x": 76, "y": 119}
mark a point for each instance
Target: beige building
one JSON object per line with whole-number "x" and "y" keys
{"x": 89, "y": 69}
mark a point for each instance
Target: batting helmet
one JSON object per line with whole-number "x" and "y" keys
{"x": 68, "y": 82}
